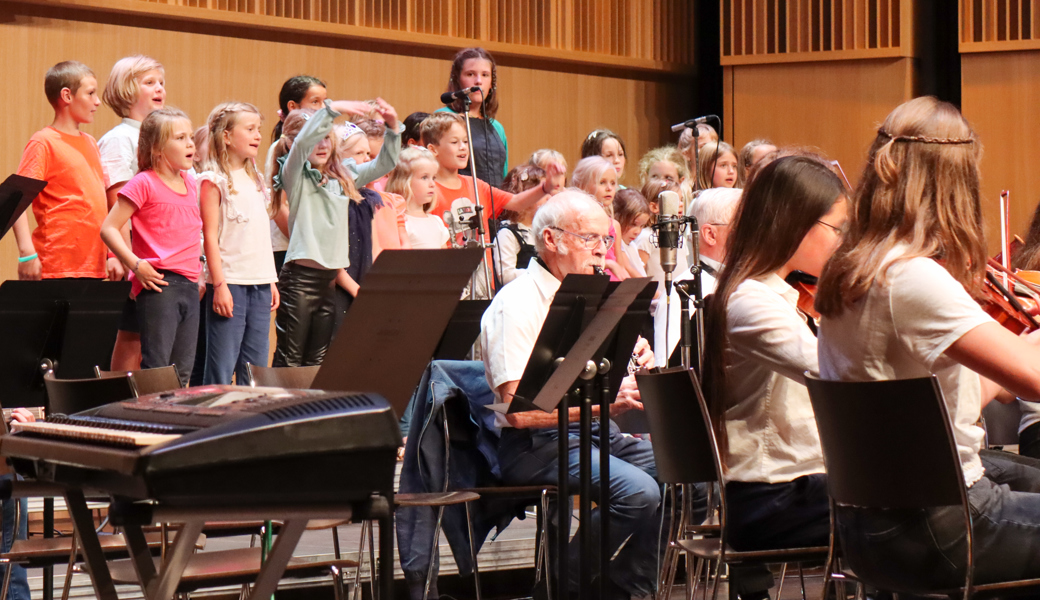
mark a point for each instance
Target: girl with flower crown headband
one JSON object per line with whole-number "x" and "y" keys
{"x": 897, "y": 303}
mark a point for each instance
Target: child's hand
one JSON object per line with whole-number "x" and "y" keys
{"x": 30, "y": 271}
{"x": 116, "y": 271}
{"x": 276, "y": 297}
{"x": 22, "y": 415}
{"x": 555, "y": 177}
{"x": 223, "y": 303}
{"x": 149, "y": 277}
{"x": 388, "y": 113}
{"x": 352, "y": 107}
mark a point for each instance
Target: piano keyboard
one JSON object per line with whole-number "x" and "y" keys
{"x": 98, "y": 435}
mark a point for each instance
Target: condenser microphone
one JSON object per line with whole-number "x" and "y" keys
{"x": 449, "y": 97}
{"x": 678, "y": 126}
{"x": 668, "y": 234}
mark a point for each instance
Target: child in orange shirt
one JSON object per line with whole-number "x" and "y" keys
{"x": 69, "y": 211}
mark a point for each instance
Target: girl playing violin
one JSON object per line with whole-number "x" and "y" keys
{"x": 758, "y": 347}
{"x": 897, "y": 302}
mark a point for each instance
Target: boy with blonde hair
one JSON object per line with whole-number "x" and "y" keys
{"x": 69, "y": 211}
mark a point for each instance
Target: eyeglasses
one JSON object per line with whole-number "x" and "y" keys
{"x": 592, "y": 241}
{"x": 836, "y": 230}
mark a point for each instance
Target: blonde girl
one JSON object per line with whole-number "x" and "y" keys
{"x": 240, "y": 276}
{"x": 319, "y": 191}
{"x": 717, "y": 166}
{"x": 596, "y": 176}
{"x": 161, "y": 204}
{"x": 414, "y": 179}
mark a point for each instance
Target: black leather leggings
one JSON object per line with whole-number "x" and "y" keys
{"x": 305, "y": 320}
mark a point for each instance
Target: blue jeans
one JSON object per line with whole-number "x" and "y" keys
{"x": 19, "y": 582}
{"x": 919, "y": 550}
{"x": 530, "y": 457}
{"x": 242, "y": 338}
{"x": 169, "y": 322}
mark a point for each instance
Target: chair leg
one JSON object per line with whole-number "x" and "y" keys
{"x": 473, "y": 551}
{"x": 337, "y": 582}
{"x": 361, "y": 561}
{"x": 434, "y": 553}
{"x": 373, "y": 569}
{"x": 7, "y": 580}
{"x": 67, "y": 587}
{"x": 544, "y": 543}
{"x": 715, "y": 587}
{"x": 783, "y": 576}
{"x": 801, "y": 580}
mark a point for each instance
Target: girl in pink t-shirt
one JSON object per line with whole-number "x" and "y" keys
{"x": 161, "y": 204}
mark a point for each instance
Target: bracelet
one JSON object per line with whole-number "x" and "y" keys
{"x": 25, "y": 259}
{"x": 217, "y": 285}
{"x": 136, "y": 265}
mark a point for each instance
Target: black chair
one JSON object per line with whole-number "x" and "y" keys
{"x": 686, "y": 452}
{"x": 69, "y": 396}
{"x": 299, "y": 378}
{"x": 916, "y": 467}
{"x": 147, "y": 381}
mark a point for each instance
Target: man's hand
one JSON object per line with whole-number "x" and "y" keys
{"x": 22, "y": 415}
{"x": 628, "y": 398}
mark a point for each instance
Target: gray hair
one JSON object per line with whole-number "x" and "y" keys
{"x": 559, "y": 211}
{"x": 715, "y": 205}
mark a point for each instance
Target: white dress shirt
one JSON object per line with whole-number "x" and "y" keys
{"x": 769, "y": 419}
{"x": 667, "y": 317}
{"x": 900, "y": 330}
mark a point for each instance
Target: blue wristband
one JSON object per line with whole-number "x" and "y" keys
{"x": 25, "y": 259}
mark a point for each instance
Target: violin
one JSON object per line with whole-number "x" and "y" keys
{"x": 805, "y": 285}
{"x": 1016, "y": 313}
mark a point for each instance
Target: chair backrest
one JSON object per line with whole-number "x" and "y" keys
{"x": 69, "y": 396}
{"x": 147, "y": 381}
{"x": 684, "y": 442}
{"x": 887, "y": 444}
{"x": 299, "y": 378}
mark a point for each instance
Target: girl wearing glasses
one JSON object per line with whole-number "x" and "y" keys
{"x": 758, "y": 345}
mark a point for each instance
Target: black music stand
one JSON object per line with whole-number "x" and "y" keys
{"x": 583, "y": 366}
{"x": 462, "y": 330}
{"x": 16, "y": 194}
{"x": 65, "y": 325}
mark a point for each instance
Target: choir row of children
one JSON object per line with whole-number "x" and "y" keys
{"x": 297, "y": 234}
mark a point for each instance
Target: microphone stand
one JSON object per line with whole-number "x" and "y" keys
{"x": 466, "y": 102}
{"x": 690, "y": 292}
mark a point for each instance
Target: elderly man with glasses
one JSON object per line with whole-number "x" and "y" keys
{"x": 570, "y": 233}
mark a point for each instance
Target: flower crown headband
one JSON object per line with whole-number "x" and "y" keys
{"x": 924, "y": 139}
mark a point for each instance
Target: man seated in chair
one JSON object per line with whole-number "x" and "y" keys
{"x": 571, "y": 236}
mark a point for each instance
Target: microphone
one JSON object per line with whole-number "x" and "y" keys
{"x": 678, "y": 126}
{"x": 668, "y": 234}
{"x": 449, "y": 97}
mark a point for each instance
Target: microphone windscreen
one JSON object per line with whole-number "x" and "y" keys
{"x": 447, "y": 98}
{"x": 668, "y": 202}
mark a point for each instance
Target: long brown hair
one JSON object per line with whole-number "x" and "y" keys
{"x": 223, "y": 118}
{"x": 920, "y": 187}
{"x": 156, "y": 130}
{"x": 783, "y": 202}
{"x": 490, "y": 104}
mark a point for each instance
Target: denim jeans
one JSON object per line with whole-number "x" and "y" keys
{"x": 530, "y": 457}
{"x": 169, "y": 322}
{"x": 305, "y": 317}
{"x": 19, "y": 582}
{"x": 770, "y": 516}
{"x": 919, "y": 550}
{"x": 242, "y": 338}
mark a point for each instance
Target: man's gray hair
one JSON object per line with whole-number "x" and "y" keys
{"x": 715, "y": 206}
{"x": 560, "y": 212}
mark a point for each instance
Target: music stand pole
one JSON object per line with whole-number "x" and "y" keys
{"x": 603, "y": 380}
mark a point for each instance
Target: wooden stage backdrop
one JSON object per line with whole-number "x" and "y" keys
{"x": 564, "y": 67}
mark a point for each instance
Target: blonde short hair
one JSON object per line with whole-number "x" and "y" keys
{"x": 122, "y": 86}
{"x": 400, "y": 180}
{"x": 433, "y": 127}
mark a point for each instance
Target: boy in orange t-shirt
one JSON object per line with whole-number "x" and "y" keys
{"x": 444, "y": 134}
{"x": 69, "y": 211}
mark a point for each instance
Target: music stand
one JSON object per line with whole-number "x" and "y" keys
{"x": 583, "y": 366}
{"x": 462, "y": 330}
{"x": 69, "y": 324}
{"x": 393, "y": 326}
{"x": 16, "y": 194}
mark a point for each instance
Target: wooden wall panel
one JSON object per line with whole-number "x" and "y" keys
{"x": 1000, "y": 93}
{"x": 835, "y": 106}
{"x": 539, "y": 108}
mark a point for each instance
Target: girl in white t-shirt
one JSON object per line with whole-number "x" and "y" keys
{"x": 897, "y": 303}
{"x": 240, "y": 275}
{"x": 758, "y": 345}
{"x": 414, "y": 179}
